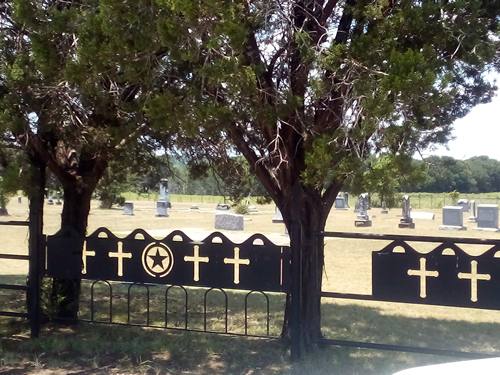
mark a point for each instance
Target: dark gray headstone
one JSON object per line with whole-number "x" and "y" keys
{"x": 340, "y": 203}
{"x": 162, "y": 208}
{"x": 487, "y": 216}
{"x": 128, "y": 208}
{"x": 362, "y": 218}
{"x": 453, "y": 218}
{"x": 464, "y": 203}
{"x": 223, "y": 207}
{"x": 406, "y": 221}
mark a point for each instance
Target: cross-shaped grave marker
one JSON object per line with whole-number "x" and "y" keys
{"x": 423, "y": 274}
{"x": 196, "y": 259}
{"x": 236, "y": 261}
{"x": 86, "y": 253}
{"x": 473, "y": 276}
{"x": 120, "y": 255}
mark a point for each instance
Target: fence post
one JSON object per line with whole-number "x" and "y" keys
{"x": 296, "y": 290}
{"x": 36, "y": 243}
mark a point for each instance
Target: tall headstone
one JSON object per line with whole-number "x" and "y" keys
{"x": 406, "y": 221}
{"x": 453, "y": 218}
{"x": 162, "y": 204}
{"x": 487, "y": 217}
{"x": 346, "y": 199}
{"x": 362, "y": 218}
{"x": 128, "y": 208}
{"x": 384, "y": 208}
{"x": 473, "y": 212}
{"x": 340, "y": 203}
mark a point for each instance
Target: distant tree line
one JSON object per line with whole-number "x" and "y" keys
{"x": 479, "y": 174}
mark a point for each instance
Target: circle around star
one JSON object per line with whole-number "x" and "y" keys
{"x": 157, "y": 259}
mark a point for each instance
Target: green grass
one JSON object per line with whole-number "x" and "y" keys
{"x": 103, "y": 348}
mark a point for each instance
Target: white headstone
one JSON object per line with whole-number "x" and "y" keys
{"x": 422, "y": 215}
{"x": 228, "y": 221}
{"x": 473, "y": 212}
{"x": 487, "y": 216}
{"x": 277, "y": 218}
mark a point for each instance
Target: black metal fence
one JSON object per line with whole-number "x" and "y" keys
{"x": 31, "y": 289}
{"x": 214, "y": 272}
{"x": 182, "y": 308}
{"x": 446, "y": 276}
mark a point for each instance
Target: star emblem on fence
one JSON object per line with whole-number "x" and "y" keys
{"x": 157, "y": 260}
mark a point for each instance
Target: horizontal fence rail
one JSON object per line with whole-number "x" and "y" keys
{"x": 18, "y": 223}
{"x": 444, "y": 276}
{"x": 16, "y": 287}
{"x": 410, "y": 238}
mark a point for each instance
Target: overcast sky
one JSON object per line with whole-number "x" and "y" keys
{"x": 476, "y": 134}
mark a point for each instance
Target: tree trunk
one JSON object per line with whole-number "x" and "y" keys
{"x": 307, "y": 214}
{"x": 74, "y": 218}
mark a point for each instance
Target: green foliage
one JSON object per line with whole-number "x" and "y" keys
{"x": 241, "y": 208}
{"x": 454, "y": 195}
{"x": 387, "y": 176}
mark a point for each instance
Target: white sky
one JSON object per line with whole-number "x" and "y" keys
{"x": 476, "y": 134}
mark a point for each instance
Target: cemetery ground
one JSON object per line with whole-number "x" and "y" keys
{"x": 95, "y": 348}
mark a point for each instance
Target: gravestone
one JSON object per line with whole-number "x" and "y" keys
{"x": 50, "y": 201}
{"x": 453, "y": 218}
{"x": 58, "y": 202}
{"x": 473, "y": 212}
{"x": 163, "y": 202}
{"x": 162, "y": 208}
{"x": 194, "y": 207}
{"x": 487, "y": 217}
{"x": 362, "y": 218}
{"x": 223, "y": 207}
{"x": 384, "y": 208}
{"x": 128, "y": 208}
{"x": 422, "y": 215}
{"x": 340, "y": 203}
{"x": 228, "y": 221}
{"x": 277, "y": 218}
{"x": 464, "y": 203}
{"x": 406, "y": 221}
{"x": 346, "y": 199}
{"x": 252, "y": 209}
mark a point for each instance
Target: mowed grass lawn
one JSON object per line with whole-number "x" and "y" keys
{"x": 93, "y": 348}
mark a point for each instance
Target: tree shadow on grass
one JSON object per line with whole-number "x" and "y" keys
{"x": 99, "y": 348}
{"x": 95, "y": 348}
